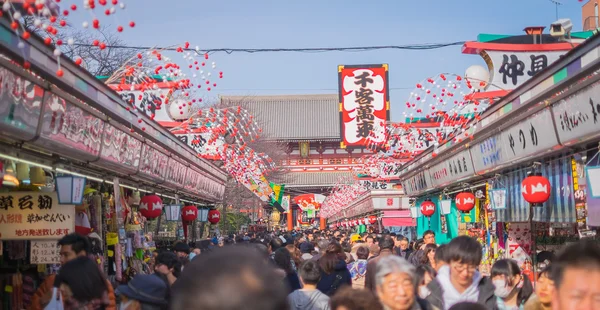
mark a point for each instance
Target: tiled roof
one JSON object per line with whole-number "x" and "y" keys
{"x": 294, "y": 117}
{"x": 314, "y": 179}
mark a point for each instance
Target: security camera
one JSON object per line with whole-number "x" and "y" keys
{"x": 561, "y": 28}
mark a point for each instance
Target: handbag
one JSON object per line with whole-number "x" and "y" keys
{"x": 56, "y": 302}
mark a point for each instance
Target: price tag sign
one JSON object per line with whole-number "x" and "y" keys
{"x": 44, "y": 252}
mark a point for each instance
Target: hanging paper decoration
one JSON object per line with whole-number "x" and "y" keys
{"x": 372, "y": 219}
{"x": 427, "y": 208}
{"x": 536, "y": 189}
{"x": 188, "y": 215}
{"x": 150, "y": 206}
{"x": 465, "y": 202}
{"x": 214, "y": 216}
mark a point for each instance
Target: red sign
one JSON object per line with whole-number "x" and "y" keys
{"x": 364, "y": 104}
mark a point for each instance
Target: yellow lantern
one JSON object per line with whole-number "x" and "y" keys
{"x": 275, "y": 217}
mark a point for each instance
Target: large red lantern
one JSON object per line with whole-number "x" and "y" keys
{"x": 427, "y": 208}
{"x": 188, "y": 215}
{"x": 536, "y": 189}
{"x": 150, "y": 206}
{"x": 465, "y": 202}
{"x": 372, "y": 219}
{"x": 214, "y": 216}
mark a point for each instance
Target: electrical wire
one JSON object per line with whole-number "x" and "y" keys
{"x": 424, "y": 46}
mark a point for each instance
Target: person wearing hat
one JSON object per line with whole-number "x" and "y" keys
{"x": 182, "y": 249}
{"x": 306, "y": 249}
{"x": 355, "y": 238}
{"x": 144, "y": 292}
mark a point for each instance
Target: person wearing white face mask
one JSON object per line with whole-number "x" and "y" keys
{"x": 424, "y": 275}
{"x": 512, "y": 289}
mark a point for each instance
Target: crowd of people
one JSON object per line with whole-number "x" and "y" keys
{"x": 326, "y": 270}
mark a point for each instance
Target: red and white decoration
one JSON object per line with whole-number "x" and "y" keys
{"x": 465, "y": 202}
{"x": 151, "y": 206}
{"x": 365, "y": 103}
{"x": 188, "y": 215}
{"x": 214, "y": 216}
{"x": 536, "y": 189}
{"x": 427, "y": 208}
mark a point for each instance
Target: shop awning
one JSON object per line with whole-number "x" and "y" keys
{"x": 398, "y": 218}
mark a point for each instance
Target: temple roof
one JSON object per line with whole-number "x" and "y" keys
{"x": 293, "y": 117}
{"x": 314, "y": 179}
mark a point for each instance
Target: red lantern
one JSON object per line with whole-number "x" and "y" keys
{"x": 188, "y": 215}
{"x": 536, "y": 189}
{"x": 427, "y": 208}
{"x": 150, "y": 206}
{"x": 465, "y": 202}
{"x": 214, "y": 216}
{"x": 372, "y": 219}
{"x": 355, "y": 223}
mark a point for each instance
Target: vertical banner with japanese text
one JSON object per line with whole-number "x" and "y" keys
{"x": 34, "y": 215}
{"x": 364, "y": 104}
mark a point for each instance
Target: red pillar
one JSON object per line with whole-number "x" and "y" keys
{"x": 322, "y": 223}
{"x": 290, "y": 220}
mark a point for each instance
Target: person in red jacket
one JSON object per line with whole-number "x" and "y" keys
{"x": 71, "y": 246}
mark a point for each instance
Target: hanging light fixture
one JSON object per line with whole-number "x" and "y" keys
{"x": 70, "y": 189}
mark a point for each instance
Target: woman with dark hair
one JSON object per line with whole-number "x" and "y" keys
{"x": 283, "y": 260}
{"x": 82, "y": 285}
{"x": 428, "y": 258}
{"x": 512, "y": 288}
{"x": 334, "y": 271}
{"x": 424, "y": 275}
{"x": 544, "y": 289}
{"x": 169, "y": 265}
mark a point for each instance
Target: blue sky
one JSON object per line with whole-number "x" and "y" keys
{"x": 333, "y": 23}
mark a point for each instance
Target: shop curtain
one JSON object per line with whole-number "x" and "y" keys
{"x": 560, "y": 208}
{"x": 423, "y": 223}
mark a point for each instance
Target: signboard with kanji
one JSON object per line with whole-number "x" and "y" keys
{"x": 364, "y": 104}
{"x": 511, "y": 69}
{"x": 44, "y": 252}
{"x": 34, "y": 215}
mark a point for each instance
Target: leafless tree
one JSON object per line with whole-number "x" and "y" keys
{"x": 98, "y": 62}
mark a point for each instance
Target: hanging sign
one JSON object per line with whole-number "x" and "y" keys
{"x": 120, "y": 149}
{"x": 153, "y": 162}
{"x": 204, "y": 144}
{"x": 417, "y": 183}
{"x": 151, "y": 102}
{"x": 452, "y": 169}
{"x": 488, "y": 154}
{"x": 511, "y": 69}
{"x": 534, "y": 135}
{"x": 285, "y": 203}
{"x": 34, "y": 215}
{"x": 375, "y": 185}
{"x": 497, "y": 198}
{"x": 44, "y": 252}
{"x": 364, "y": 103}
{"x": 578, "y": 117}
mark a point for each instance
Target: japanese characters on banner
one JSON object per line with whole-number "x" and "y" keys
{"x": 417, "y": 183}
{"x": 452, "y": 169}
{"x": 176, "y": 172}
{"x": 531, "y": 136}
{"x": 364, "y": 103}
{"x": 34, "y": 215}
{"x": 44, "y": 252}
{"x": 375, "y": 185}
{"x": 70, "y": 130}
{"x": 151, "y": 102}
{"x": 390, "y": 203}
{"x": 578, "y": 116}
{"x": 489, "y": 154}
{"x": 511, "y": 69}
{"x": 285, "y": 203}
{"x": 199, "y": 142}
{"x": 153, "y": 163}
{"x": 120, "y": 148}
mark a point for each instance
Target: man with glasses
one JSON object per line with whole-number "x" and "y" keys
{"x": 416, "y": 257}
{"x": 460, "y": 281}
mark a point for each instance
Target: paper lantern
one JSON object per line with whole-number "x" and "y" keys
{"x": 427, "y": 208}
{"x": 179, "y": 110}
{"x": 536, "y": 189}
{"x": 189, "y": 214}
{"x": 372, "y": 219}
{"x": 477, "y": 76}
{"x": 465, "y": 202}
{"x": 214, "y": 216}
{"x": 150, "y": 206}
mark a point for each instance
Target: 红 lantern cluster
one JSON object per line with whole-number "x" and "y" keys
{"x": 188, "y": 215}
{"x": 465, "y": 202}
{"x": 214, "y": 216}
{"x": 536, "y": 189}
{"x": 427, "y": 208}
{"x": 150, "y": 206}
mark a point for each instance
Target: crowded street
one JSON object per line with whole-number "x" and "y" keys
{"x": 315, "y": 155}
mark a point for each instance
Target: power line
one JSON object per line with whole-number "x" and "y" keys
{"x": 425, "y": 46}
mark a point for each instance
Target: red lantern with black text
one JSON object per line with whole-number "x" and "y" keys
{"x": 372, "y": 219}
{"x": 465, "y": 202}
{"x": 150, "y": 206}
{"x": 427, "y": 208}
{"x": 536, "y": 189}
{"x": 188, "y": 215}
{"x": 214, "y": 216}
